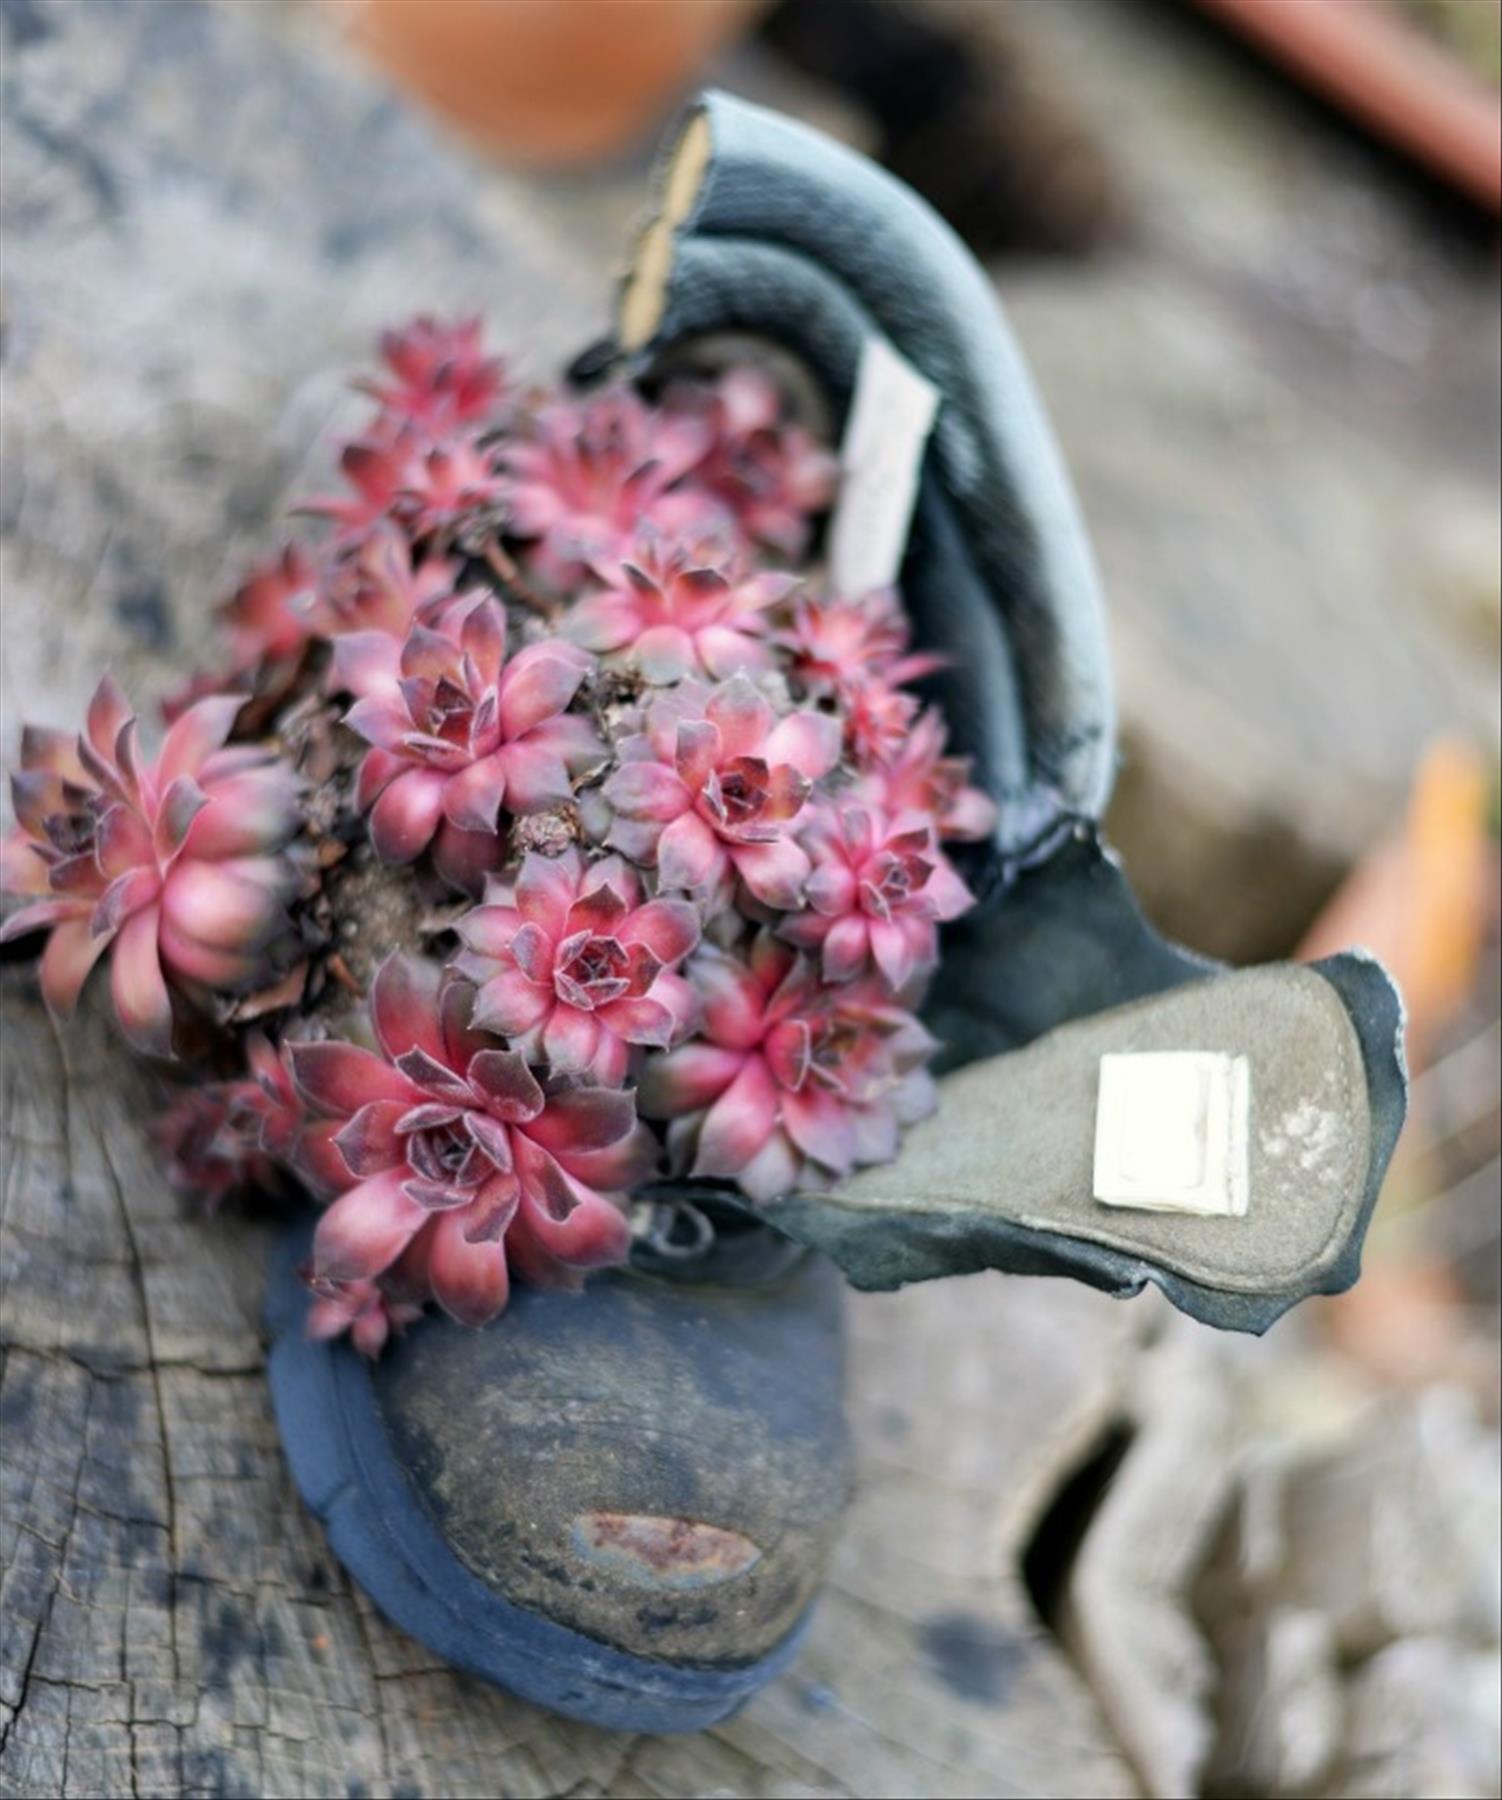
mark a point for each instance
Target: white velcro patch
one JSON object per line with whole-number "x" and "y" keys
{"x": 1171, "y": 1130}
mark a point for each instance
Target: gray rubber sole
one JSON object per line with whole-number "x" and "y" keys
{"x": 342, "y": 1463}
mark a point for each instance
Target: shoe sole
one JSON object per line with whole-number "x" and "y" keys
{"x": 343, "y": 1466}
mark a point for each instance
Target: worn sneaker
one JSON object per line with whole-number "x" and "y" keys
{"x": 617, "y": 1504}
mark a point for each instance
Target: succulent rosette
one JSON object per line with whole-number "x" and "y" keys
{"x": 438, "y": 374}
{"x": 915, "y": 776}
{"x": 396, "y": 473}
{"x": 178, "y": 867}
{"x": 671, "y": 608}
{"x": 788, "y": 1082}
{"x": 458, "y": 1159}
{"x": 457, "y": 730}
{"x": 265, "y": 618}
{"x": 574, "y": 967}
{"x": 247, "y": 1133}
{"x": 878, "y": 892}
{"x": 549, "y": 824}
{"x": 709, "y": 792}
{"x": 586, "y": 476}
{"x": 205, "y": 1153}
{"x": 773, "y": 475}
{"x": 833, "y": 642}
{"x": 363, "y": 1309}
{"x": 378, "y": 585}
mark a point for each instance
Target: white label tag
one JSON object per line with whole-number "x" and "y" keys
{"x": 1171, "y": 1132}
{"x": 890, "y": 419}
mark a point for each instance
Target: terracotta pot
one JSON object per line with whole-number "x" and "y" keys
{"x": 546, "y": 81}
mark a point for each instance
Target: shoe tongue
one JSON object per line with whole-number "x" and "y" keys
{"x": 1224, "y": 1140}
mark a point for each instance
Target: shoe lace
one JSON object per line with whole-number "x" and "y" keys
{"x": 706, "y": 1237}
{"x": 674, "y": 1230}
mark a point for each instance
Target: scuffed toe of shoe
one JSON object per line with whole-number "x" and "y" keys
{"x": 659, "y": 1467}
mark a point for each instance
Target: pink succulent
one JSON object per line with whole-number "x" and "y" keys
{"x": 460, "y": 1163}
{"x": 238, "y": 1135}
{"x": 263, "y": 1103}
{"x": 266, "y": 618}
{"x": 438, "y": 374}
{"x": 573, "y": 968}
{"x": 205, "y": 684}
{"x": 266, "y": 621}
{"x": 396, "y": 472}
{"x": 772, "y": 474}
{"x": 873, "y": 1055}
{"x": 447, "y": 484}
{"x": 285, "y": 605}
{"x": 205, "y": 1154}
{"x": 834, "y": 643}
{"x": 180, "y": 866}
{"x": 362, "y": 1308}
{"x": 376, "y": 467}
{"x": 878, "y": 718}
{"x": 593, "y": 471}
{"x": 918, "y": 777}
{"x": 674, "y": 608}
{"x": 457, "y": 731}
{"x": 713, "y": 787}
{"x": 787, "y": 1083}
{"x": 856, "y": 652}
{"x": 781, "y": 783}
{"x": 376, "y": 587}
{"x": 878, "y": 891}
{"x": 267, "y": 1112}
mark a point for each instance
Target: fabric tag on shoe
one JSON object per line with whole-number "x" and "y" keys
{"x": 890, "y": 419}
{"x": 1171, "y": 1132}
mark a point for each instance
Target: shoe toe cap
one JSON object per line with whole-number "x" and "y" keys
{"x": 661, "y": 1469}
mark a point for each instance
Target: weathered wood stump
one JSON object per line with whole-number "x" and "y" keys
{"x": 174, "y": 1623}
{"x": 199, "y": 223}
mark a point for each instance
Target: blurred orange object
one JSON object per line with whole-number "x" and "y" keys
{"x": 1421, "y": 899}
{"x": 1404, "y": 1322}
{"x": 1367, "y": 59}
{"x": 546, "y": 81}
